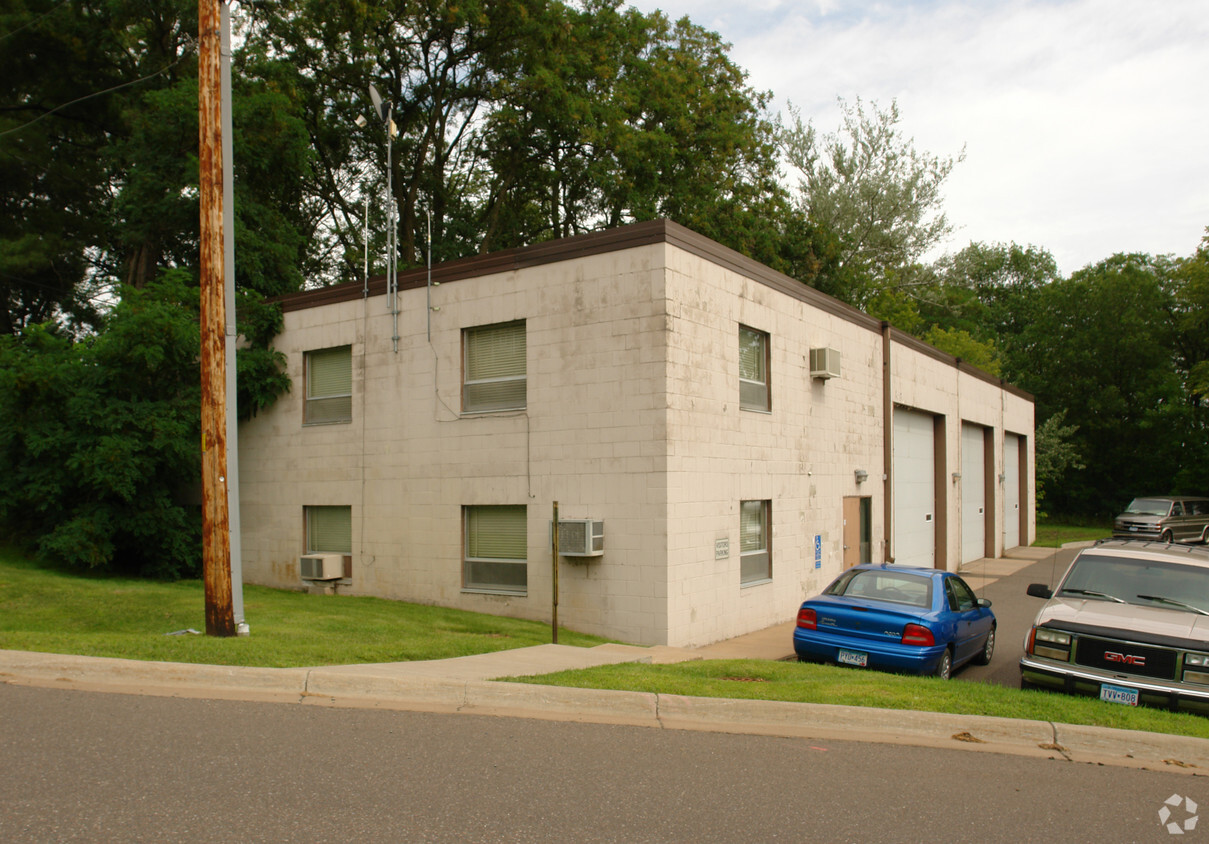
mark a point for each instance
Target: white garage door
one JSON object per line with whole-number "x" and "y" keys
{"x": 973, "y": 494}
{"x": 914, "y": 489}
{"x": 1011, "y": 491}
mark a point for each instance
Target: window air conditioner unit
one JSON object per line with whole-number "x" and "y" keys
{"x": 321, "y": 566}
{"x": 824, "y": 363}
{"x": 579, "y": 537}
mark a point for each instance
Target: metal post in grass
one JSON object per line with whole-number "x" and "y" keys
{"x": 554, "y": 590}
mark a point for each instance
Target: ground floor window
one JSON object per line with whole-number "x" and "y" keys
{"x": 755, "y": 547}
{"x": 329, "y": 530}
{"x": 497, "y": 544}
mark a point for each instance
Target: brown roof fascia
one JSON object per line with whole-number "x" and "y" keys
{"x": 507, "y": 260}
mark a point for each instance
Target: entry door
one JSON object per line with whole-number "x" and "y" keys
{"x": 857, "y": 531}
{"x": 1011, "y": 491}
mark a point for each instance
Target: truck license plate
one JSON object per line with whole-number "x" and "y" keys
{"x": 853, "y": 658}
{"x": 1119, "y": 694}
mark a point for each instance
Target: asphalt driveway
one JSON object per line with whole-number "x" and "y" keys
{"x": 1004, "y": 582}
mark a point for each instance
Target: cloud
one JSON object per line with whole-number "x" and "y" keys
{"x": 1083, "y": 120}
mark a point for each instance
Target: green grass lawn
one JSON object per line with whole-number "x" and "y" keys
{"x": 808, "y": 683}
{"x": 57, "y": 612}
{"x": 1054, "y": 533}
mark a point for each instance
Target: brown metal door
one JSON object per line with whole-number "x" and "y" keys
{"x": 852, "y": 532}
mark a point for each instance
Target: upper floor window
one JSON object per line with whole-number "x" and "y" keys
{"x": 494, "y": 367}
{"x": 329, "y": 386}
{"x": 753, "y": 369}
{"x": 755, "y": 552}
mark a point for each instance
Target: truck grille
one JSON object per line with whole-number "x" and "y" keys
{"x": 1124, "y": 658}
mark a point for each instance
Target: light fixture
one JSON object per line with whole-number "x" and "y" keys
{"x": 861, "y": 476}
{"x": 956, "y": 477}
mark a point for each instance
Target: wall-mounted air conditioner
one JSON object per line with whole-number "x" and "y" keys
{"x": 579, "y": 537}
{"x": 321, "y": 566}
{"x": 824, "y": 363}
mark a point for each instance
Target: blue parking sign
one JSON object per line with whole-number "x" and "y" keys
{"x": 818, "y": 551}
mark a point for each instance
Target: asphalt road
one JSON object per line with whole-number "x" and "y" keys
{"x": 1014, "y": 613}
{"x": 81, "y": 766}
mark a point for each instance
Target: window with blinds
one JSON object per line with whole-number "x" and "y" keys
{"x": 494, "y": 368}
{"x": 497, "y": 547}
{"x": 329, "y": 530}
{"x": 329, "y": 386}
{"x": 753, "y": 369}
{"x": 755, "y": 555}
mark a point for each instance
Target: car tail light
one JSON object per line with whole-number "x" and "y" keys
{"x": 915, "y": 634}
{"x": 806, "y": 619}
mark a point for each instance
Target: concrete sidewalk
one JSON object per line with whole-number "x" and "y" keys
{"x": 469, "y": 685}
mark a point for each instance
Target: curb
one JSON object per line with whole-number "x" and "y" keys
{"x": 346, "y": 687}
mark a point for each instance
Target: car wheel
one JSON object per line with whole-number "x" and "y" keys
{"x": 988, "y": 649}
{"x": 944, "y": 668}
{"x": 1166, "y": 536}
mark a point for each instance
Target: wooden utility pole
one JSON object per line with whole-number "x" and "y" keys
{"x": 216, "y": 546}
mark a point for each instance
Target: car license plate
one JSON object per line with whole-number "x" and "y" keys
{"x": 853, "y": 658}
{"x": 1119, "y": 694}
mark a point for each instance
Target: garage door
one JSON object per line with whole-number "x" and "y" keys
{"x": 914, "y": 489}
{"x": 973, "y": 493}
{"x": 1011, "y": 491}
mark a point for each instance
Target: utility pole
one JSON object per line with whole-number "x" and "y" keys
{"x": 216, "y": 546}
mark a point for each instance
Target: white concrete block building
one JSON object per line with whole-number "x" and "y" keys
{"x": 739, "y": 437}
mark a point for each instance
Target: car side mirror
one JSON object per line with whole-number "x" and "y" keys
{"x": 984, "y": 603}
{"x": 1040, "y": 590}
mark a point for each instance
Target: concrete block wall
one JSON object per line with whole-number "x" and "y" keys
{"x": 592, "y": 437}
{"x": 802, "y": 456}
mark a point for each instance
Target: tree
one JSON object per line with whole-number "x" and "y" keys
{"x": 868, "y": 186}
{"x": 1192, "y": 361}
{"x": 1055, "y": 453}
{"x": 960, "y": 344}
{"x": 98, "y": 439}
{"x": 613, "y": 117}
{"x": 1100, "y": 348}
{"x": 994, "y": 292}
{"x": 524, "y": 121}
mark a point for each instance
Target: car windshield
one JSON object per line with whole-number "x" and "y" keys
{"x": 1133, "y": 581}
{"x": 891, "y": 586}
{"x": 1148, "y": 507}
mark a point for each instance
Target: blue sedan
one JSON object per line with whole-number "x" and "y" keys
{"x": 896, "y": 618}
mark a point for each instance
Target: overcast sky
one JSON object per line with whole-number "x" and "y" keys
{"x": 1085, "y": 122}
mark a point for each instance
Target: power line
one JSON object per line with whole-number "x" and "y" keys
{"x": 35, "y": 21}
{"x": 159, "y": 72}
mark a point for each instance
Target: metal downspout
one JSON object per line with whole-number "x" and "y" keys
{"x": 887, "y": 445}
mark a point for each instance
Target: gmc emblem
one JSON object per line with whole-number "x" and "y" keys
{"x": 1124, "y": 659}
